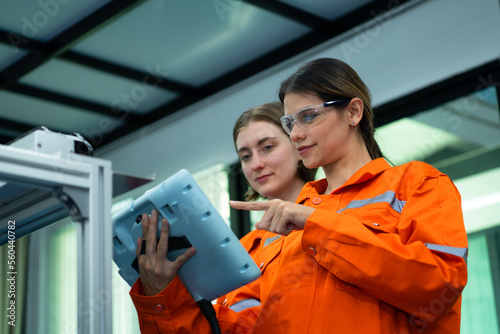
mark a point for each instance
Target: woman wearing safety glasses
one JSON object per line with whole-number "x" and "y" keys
{"x": 369, "y": 249}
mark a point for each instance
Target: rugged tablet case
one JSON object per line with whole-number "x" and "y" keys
{"x": 220, "y": 265}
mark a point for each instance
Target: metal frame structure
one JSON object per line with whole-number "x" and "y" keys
{"x": 57, "y": 186}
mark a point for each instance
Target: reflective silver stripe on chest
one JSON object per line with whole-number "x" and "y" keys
{"x": 387, "y": 197}
{"x": 269, "y": 240}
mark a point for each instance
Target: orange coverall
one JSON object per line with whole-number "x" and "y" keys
{"x": 384, "y": 253}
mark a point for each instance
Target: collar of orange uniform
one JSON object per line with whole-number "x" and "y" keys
{"x": 365, "y": 173}
{"x": 255, "y": 237}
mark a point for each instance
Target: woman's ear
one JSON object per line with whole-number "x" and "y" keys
{"x": 355, "y": 110}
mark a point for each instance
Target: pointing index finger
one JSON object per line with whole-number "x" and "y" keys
{"x": 253, "y": 206}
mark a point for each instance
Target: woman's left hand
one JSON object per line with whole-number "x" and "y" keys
{"x": 281, "y": 217}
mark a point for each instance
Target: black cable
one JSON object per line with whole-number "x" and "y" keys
{"x": 209, "y": 312}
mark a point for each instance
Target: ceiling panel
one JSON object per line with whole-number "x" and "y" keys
{"x": 329, "y": 10}
{"x": 190, "y": 41}
{"x": 106, "y": 68}
{"x": 9, "y": 54}
{"x": 43, "y": 20}
{"x": 35, "y": 112}
{"x": 109, "y": 90}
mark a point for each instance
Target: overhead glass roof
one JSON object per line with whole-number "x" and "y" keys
{"x": 218, "y": 39}
{"x": 78, "y": 65}
{"x": 43, "y": 20}
{"x": 110, "y": 90}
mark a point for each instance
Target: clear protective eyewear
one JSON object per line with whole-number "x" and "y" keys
{"x": 307, "y": 117}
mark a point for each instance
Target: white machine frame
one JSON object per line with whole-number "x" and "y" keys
{"x": 81, "y": 187}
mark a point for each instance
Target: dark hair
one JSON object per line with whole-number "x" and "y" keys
{"x": 271, "y": 113}
{"x": 332, "y": 79}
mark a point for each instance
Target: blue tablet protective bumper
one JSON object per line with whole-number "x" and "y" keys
{"x": 220, "y": 265}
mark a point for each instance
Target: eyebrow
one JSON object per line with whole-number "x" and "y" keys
{"x": 263, "y": 140}
{"x": 260, "y": 142}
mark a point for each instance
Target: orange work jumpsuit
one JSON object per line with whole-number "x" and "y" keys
{"x": 384, "y": 253}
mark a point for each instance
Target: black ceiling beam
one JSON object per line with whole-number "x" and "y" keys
{"x": 372, "y": 10}
{"x": 378, "y": 10}
{"x": 12, "y": 126}
{"x": 86, "y": 106}
{"x": 17, "y": 41}
{"x": 5, "y": 139}
{"x": 7, "y": 37}
{"x": 66, "y": 39}
{"x": 21, "y": 42}
{"x": 298, "y": 15}
{"x": 126, "y": 72}
{"x": 301, "y": 44}
{"x": 437, "y": 94}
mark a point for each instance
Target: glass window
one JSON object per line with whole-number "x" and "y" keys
{"x": 446, "y": 135}
{"x": 461, "y": 138}
{"x": 51, "y": 279}
{"x": 479, "y": 314}
{"x": 214, "y": 183}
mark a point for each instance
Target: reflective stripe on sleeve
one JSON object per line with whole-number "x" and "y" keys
{"x": 457, "y": 251}
{"x": 387, "y": 197}
{"x": 244, "y": 304}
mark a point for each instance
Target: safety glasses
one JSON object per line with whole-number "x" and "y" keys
{"x": 309, "y": 116}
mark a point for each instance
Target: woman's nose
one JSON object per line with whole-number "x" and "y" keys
{"x": 257, "y": 162}
{"x": 296, "y": 133}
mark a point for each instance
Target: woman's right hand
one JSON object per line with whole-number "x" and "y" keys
{"x": 155, "y": 270}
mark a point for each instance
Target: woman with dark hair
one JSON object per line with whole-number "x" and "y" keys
{"x": 380, "y": 249}
{"x": 370, "y": 248}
